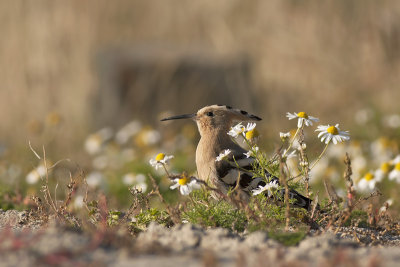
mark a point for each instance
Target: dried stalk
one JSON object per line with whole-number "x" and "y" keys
{"x": 286, "y": 200}
{"x": 305, "y": 165}
{"x": 175, "y": 217}
{"x": 349, "y": 183}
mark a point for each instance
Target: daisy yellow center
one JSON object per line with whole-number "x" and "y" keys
{"x": 369, "y": 176}
{"x": 385, "y": 167}
{"x": 252, "y": 134}
{"x": 332, "y": 130}
{"x": 160, "y": 156}
{"x": 397, "y": 167}
{"x": 302, "y": 115}
{"x": 96, "y": 138}
{"x": 53, "y": 118}
{"x": 184, "y": 180}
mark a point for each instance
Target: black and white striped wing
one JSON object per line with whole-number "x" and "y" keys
{"x": 240, "y": 166}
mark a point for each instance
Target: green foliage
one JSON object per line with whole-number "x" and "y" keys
{"x": 268, "y": 214}
{"x": 287, "y": 238}
{"x": 9, "y": 199}
{"x": 113, "y": 217}
{"x": 142, "y": 220}
{"x": 357, "y": 218}
{"x": 5, "y": 203}
{"x": 209, "y": 213}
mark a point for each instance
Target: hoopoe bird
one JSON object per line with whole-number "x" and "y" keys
{"x": 213, "y": 123}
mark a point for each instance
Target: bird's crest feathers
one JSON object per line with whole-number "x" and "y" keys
{"x": 229, "y": 113}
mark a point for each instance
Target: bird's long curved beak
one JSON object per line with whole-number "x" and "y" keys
{"x": 184, "y": 116}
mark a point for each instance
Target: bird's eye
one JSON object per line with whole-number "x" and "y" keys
{"x": 210, "y": 114}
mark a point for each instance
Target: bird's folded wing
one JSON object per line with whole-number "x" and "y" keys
{"x": 238, "y": 167}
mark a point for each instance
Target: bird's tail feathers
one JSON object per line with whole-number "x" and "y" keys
{"x": 300, "y": 200}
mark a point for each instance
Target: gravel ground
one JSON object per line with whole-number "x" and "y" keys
{"x": 30, "y": 244}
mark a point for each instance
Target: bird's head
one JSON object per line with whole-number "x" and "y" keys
{"x": 216, "y": 117}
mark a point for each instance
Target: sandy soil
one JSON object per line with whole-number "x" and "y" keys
{"x": 31, "y": 244}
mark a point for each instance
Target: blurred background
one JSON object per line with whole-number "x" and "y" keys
{"x": 71, "y": 68}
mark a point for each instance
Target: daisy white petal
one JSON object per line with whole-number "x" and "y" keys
{"x": 185, "y": 190}
{"x": 236, "y": 130}
{"x": 174, "y": 186}
{"x": 252, "y": 152}
{"x": 266, "y": 187}
{"x": 223, "y": 155}
{"x": 290, "y": 155}
{"x": 367, "y": 183}
{"x": 284, "y": 136}
{"x": 155, "y": 163}
{"x": 395, "y": 173}
{"x": 387, "y": 204}
{"x": 250, "y": 126}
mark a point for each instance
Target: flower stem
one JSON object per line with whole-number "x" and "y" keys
{"x": 292, "y": 141}
{"x": 320, "y": 156}
{"x": 165, "y": 169}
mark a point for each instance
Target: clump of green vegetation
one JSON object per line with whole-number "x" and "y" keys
{"x": 358, "y": 218}
{"x": 8, "y": 200}
{"x": 141, "y": 221}
{"x": 203, "y": 211}
{"x": 288, "y": 238}
{"x": 113, "y": 217}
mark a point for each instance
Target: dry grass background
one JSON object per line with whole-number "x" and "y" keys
{"x": 329, "y": 57}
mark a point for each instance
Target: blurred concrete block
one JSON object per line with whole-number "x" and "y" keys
{"x": 141, "y": 82}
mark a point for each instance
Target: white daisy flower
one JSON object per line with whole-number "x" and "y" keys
{"x": 303, "y": 118}
{"x": 223, "y": 155}
{"x": 267, "y": 187}
{"x": 94, "y": 179}
{"x": 251, "y": 132}
{"x": 151, "y": 137}
{"x": 142, "y": 186}
{"x": 237, "y": 130}
{"x": 367, "y": 183}
{"x": 289, "y": 155}
{"x": 78, "y": 202}
{"x": 395, "y": 173}
{"x": 252, "y": 152}
{"x": 392, "y": 121}
{"x": 34, "y": 176}
{"x": 128, "y": 179}
{"x": 362, "y": 116}
{"x": 160, "y": 160}
{"x": 127, "y": 131}
{"x": 140, "y": 178}
{"x": 135, "y": 181}
{"x": 383, "y": 171}
{"x": 389, "y": 203}
{"x": 185, "y": 184}
{"x": 328, "y": 133}
{"x": 395, "y": 160}
{"x": 250, "y": 126}
{"x": 94, "y": 142}
{"x": 284, "y": 136}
